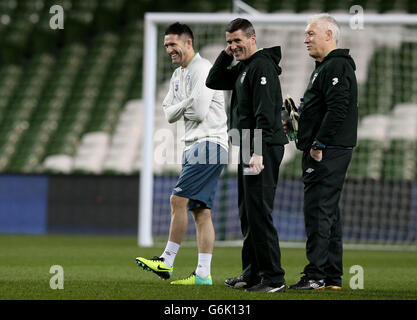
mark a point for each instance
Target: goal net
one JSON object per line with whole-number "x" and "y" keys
{"x": 379, "y": 200}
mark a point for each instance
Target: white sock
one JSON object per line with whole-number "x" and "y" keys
{"x": 204, "y": 265}
{"x": 170, "y": 252}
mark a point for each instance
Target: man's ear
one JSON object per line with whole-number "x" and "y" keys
{"x": 189, "y": 42}
{"x": 329, "y": 35}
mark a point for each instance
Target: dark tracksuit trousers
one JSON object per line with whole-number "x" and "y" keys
{"x": 323, "y": 182}
{"x": 261, "y": 255}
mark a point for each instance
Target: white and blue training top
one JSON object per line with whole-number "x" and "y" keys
{"x": 202, "y": 109}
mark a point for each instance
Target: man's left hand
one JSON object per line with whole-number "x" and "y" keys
{"x": 256, "y": 163}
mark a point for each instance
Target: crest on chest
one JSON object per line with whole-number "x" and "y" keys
{"x": 314, "y": 77}
{"x": 242, "y": 78}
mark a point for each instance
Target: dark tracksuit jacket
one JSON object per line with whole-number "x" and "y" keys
{"x": 330, "y": 111}
{"x": 330, "y": 116}
{"x": 256, "y": 97}
{"x": 256, "y": 104}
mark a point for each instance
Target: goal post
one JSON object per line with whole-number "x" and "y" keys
{"x": 293, "y": 24}
{"x": 146, "y": 175}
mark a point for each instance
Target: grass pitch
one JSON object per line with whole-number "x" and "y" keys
{"x": 104, "y": 268}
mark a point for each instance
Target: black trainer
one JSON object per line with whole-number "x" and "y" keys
{"x": 261, "y": 287}
{"x": 237, "y": 282}
{"x": 308, "y": 284}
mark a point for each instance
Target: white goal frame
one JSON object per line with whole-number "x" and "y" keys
{"x": 145, "y": 238}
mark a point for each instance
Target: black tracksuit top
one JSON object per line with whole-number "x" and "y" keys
{"x": 256, "y": 98}
{"x": 330, "y": 111}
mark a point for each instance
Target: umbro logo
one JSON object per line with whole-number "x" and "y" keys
{"x": 177, "y": 189}
{"x": 309, "y": 170}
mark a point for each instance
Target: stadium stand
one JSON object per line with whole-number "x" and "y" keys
{"x": 68, "y": 97}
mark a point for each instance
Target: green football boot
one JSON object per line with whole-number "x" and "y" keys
{"x": 194, "y": 279}
{"x": 156, "y": 265}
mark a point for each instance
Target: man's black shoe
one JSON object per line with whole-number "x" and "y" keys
{"x": 260, "y": 287}
{"x": 333, "y": 284}
{"x": 237, "y": 282}
{"x": 308, "y": 284}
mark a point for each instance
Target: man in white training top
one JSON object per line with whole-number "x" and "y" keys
{"x": 205, "y": 153}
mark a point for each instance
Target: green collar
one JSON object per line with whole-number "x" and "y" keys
{"x": 189, "y": 62}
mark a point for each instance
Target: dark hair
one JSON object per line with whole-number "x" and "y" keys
{"x": 179, "y": 29}
{"x": 241, "y": 24}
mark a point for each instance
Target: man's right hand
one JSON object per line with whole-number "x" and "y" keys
{"x": 228, "y": 50}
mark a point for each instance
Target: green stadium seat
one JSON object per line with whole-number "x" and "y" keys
{"x": 392, "y": 6}
{"x": 78, "y": 26}
{"x": 367, "y": 159}
{"x": 108, "y": 15}
{"x": 406, "y": 85}
{"x": 400, "y": 160}
{"x": 379, "y": 89}
{"x": 31, "y": 6}
{"x": 49, "y": 110}
{"x": 281, "y": 6}
{"x": 132, "y": 9}
{"x": 8, "y": 6}
{"x": 334, "y": 6}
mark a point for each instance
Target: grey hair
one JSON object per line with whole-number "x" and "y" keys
{"x": 331, "y": 24}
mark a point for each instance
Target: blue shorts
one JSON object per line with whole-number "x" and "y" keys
{"x": 201, "y": 168}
